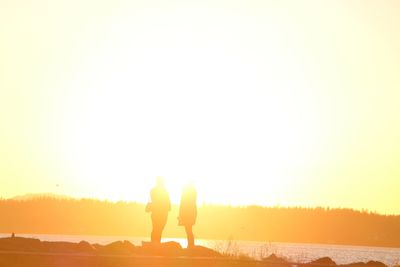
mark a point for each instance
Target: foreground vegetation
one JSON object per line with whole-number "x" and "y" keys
{"x": 26, "y": 252}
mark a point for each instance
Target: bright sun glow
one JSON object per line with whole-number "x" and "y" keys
{"x": 186, "y": 111}
{"x": 258, "y": 102}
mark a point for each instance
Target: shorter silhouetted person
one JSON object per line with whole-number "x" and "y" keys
{"x": 188, "y": 212}
{"x": 159, "y": 206}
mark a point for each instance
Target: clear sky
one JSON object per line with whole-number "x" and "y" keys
{"x": 258, "y": 102}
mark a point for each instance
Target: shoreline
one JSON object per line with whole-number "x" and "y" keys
{"x": 21, "y": 251}
{"x": 78, "y": 237}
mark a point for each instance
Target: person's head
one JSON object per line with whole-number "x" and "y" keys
{"x": 160, "y": 181}
{"x": 189, "y": 186}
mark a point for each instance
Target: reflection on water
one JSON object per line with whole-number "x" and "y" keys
{"x": 294, "y": 252}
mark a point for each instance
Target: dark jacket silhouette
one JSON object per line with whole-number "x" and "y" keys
{"x": 159, "y": 207}
{"x": 188, "y": 212}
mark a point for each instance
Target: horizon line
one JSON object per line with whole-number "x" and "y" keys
{"x": 53, "y": 196}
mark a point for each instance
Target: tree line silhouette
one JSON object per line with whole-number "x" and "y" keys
{"x": 48, "y": 215}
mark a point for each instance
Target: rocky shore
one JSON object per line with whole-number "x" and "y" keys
{"x": 26, "y": 252}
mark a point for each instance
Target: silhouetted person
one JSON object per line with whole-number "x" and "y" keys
{"x": 159, "y": 206}
{"x": 188, "y": 212}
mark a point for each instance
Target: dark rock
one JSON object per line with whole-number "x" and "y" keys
{"x": 274, "y": 260}
{"x": 354, "y": 264}
{"x": 97, "y": 246}
{"x": 129, "y": 246}
{"x": 85, "y": 247}
{"x": 375, "y": 264}
{"x": 200, "y": 251}
{"x": 118, "y": 247}
{"x": 325, "y": 261}
{"x": 172, "y": 245}
{"x": 20, "y": 244}
{"x": 18, "y": 251}
{"x": 59, "y": 247}
{"x": 363, "y": 264}
{"x": 171, "y": 248}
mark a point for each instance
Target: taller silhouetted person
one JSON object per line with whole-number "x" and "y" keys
{"x": 188, "y": 212}
{"x": 159, "y": 206}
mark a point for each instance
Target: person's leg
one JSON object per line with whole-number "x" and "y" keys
{"x": 190, "y": 236}
{"x": 158, "y": 234}
{"x": 159, "y": 222}
{"x": 162, "y": 223}
{"x": 154, "y": 231}
{"x": 157, "y": 228}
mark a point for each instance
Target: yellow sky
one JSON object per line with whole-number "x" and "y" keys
{"x": 258, "y": 102}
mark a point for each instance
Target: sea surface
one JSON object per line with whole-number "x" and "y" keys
{"x": 295, "y": 252}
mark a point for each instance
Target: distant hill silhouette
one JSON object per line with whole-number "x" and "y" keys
{"x": 40, "y": 195}
{"x": 281, "y": 224}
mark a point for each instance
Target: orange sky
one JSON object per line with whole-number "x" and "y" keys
{"x": 258, "y": 102}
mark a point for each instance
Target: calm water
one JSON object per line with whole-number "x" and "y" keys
{"x": 293, "y": 251}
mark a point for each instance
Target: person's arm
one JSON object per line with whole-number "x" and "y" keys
{"x": 169, "y": 203}
{"x": 149, "y": 204}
